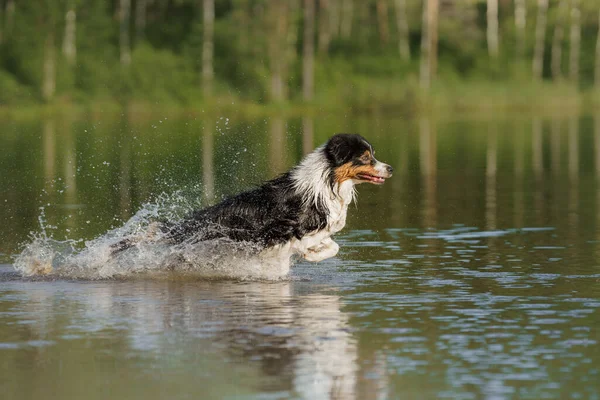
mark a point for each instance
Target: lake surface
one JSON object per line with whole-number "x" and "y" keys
{"x": 472, "y": 273}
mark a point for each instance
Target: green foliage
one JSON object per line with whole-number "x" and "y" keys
{"x": 358, "y": 70}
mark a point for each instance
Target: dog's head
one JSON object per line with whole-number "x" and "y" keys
{"x": 351, "y": 157}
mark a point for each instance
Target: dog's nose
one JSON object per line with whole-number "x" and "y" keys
{"x": 389, "y": 169}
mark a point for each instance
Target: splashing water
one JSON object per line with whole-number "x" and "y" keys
{"x": 151, "y": 255}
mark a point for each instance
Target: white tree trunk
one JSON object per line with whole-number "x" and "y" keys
{"x": 429, "y": 41}
{"x": 335, "y": 10}
{"x": 540, "y": 39}
{"x": 520, "y": 25}
{"x": 492, "y": 29}
{"x": 1, "y": 23}
{"x": 7, "y": 23}
{"x": 382, "y": 21}
{"x": 278, "y": 16}
{"x": 207, "y": 46}
{"x": 401, "y": 21}
{"x": 597, "y": 67}
{"x": 575, "y": 41}
{"x": 347, "y": 18}
{"x": 324, "y": 28}
{"x": 69, "y": 48}
{"x": 124, "y": 42}
{"x": 557, "y": 41}
{"x": 140, "y": 20}
{"x": 308, "y": 51}
{"x": 49, "y": 71}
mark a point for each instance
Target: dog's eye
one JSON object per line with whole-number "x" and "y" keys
{"x": 365, "y": 158}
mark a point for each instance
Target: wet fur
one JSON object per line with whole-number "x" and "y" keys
{"x": 295, "y": 213}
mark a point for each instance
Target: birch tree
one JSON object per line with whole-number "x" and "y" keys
{"x": 597, "y": 66}
{"x": 324, "y": 28}
{"x": 69, "y": 48}
{"x": 124, "y": 42}
{"x": 208, "y": 17}
{"x": 140, "y": 20}
{"x": 540, "y": 38}
{"x": 401, "y": 21}
{"x": 308, "y": 50}
{"x": 492, "y": 28}
{"x": 382, "y": 21}
{"x": 520, "y": 26}
{"x": 347, "y": 17}
{"x": 429, "y": 42}
{"x": 49, "y": 67}
{"x": 1, "y": 23}
{"x": 575, "y": 40}
{"x": 278, "y": 23}
{"x": 557, "y": 41}
{"x": 6, "y": 20}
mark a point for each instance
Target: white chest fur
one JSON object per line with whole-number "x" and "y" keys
{"x": 338, "y": 208}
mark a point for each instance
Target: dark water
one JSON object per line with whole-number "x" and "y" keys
{"x": 473, "y": 273}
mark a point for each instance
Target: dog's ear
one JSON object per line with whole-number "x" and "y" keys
{"x": 337, "y": 148}
{"x": 343, "y": 146}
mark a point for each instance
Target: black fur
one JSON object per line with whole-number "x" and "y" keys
{"x": 270, "y": 214}
{"x": 267, "y": 215}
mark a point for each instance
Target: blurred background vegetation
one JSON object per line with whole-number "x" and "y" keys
{"x": 362, "y": 54}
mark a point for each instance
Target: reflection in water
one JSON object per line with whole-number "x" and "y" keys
{"x": 555, "y": 146}
{"x": 439, "y": 291}
{"x": 208, "y": 150}
{"x": 519, "y": 165}
{"x": 573, "y": 205}
{"x": 70, "y": 170}
{"x": 277, "y": 148}
{"x": 300, "y": 340}
{"x": 537, "y": 162}
{"x": 49, "y": 153}
{"x": 597, "y": 145}
{"x": 537, "y": 158}
{"x": 490, "y": 182}
{"x": 428, "y": 162}
{"x": 308, "y": 134}
{"x": 125, "y": 174}
{"x": 573, "y": 149}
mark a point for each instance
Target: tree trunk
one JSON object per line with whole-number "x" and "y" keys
{"x": 347, "y": 17}
{"x": 540, "y": 38}
{"x": 492, "y": 28}
{"x": 278, "y": 15}
{"x": 520, "y": 25}
{"x": 575, "y": 41}
{"x": 125, "y": 48}
{"x": 1, "y": 23}
{"x": 308, "y": 51}
{"x": 335, "y": 10}
{"x": 429, "y": 42}
{"x": 49, "y": 72}
{"x": 557, "y": 41}
{"x": 140, "y": 20}
{"x": 401, "y": 21}
{"x": 6, "y": 28}
{"x": 597, "y": 67}
{"x": 207, "y": 47}
{"x": 69, "y": 47}
{"x": 382, "y": 21}
{"x": 324, "y": 28}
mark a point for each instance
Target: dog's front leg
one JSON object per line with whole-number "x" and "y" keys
{"x": 324, "y": 250}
